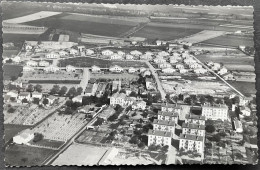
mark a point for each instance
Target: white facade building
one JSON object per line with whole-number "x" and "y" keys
{"x": 215, "y": 112}
{"x": 159, "y": 137}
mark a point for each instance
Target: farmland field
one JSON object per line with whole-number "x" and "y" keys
{"x": 229, "y": 40}
{"x": 12, "y": 130}
{"x": 88, "y": 62}
{"x": 9, "y": 53}
{"x": 22, "y": 155}
{"x": 246, "y": 88}
{"x": 153, "y": 32}
{"x": 11, "y": 70}
{"x": 19, "y": 38}
{"x": 66, "y": 22}
{"x": 229, "y": 59}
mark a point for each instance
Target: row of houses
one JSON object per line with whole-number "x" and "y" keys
{"x": 118, "y": 69}
{"x": 29, "y": 96}
{"x": 49, "y": 68}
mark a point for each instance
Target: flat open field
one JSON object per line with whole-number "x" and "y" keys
{"x": 11, "y": 70}
{"x": 11, "y": 130}
{"x": 22, "y": 155}
{"x": 202, "y": 36}
{"x": 9, "y": 53}
{"x": 105, "y": 19}
{"x": 68, "y": 22}
{"x": 31, "y": 17}
{"x": 229, "y": 59}
{"x": 246, "y": 88}
{"x": 161, "y": 31}
{"x": 230, "y": 40}
{"x": 88, "y": 62}
{"x": 78, "y": 154}
{"x": 19, "y": 38}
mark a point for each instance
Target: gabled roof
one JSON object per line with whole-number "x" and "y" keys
{"x": 196, "y": 117}
{"x": 193, "y": 126}
{"x": 159, "y": 133}
{"x": 24, "y": 93}
{"x": 191, "y": 137}
{"x": 172, "y": 114}
{"x": 164, "y": 122}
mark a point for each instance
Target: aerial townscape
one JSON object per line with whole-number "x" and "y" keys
{"x": 99, "y": 84}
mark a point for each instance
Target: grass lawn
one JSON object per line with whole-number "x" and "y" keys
{"x": 88, "y": 62}
{"x": 11, "y": 70}
{"x": 22, "y": 155}
{"x": 11, "y": 130}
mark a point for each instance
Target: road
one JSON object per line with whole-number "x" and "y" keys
{"x": 85, "y": 79}
{"x": 211, "y": 71}
{"x": 159, "y": 84}
{"x": 51, "y": 158}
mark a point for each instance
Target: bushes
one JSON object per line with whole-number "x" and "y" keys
{"x": 11, "y": 110}
{"x": 210, "y": 128}
{"x": 37, "y": 137}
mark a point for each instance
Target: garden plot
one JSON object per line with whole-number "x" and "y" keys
{"x": 32, "y": 17}
{"x": 31, "y": 114}
{"x": 61, "y": 127}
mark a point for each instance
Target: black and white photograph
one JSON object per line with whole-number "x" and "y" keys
{"x": 125, "y": 84}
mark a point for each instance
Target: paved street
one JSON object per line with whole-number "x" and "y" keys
{"x": 85, "y": 79}
{"x": 159, "y": 85}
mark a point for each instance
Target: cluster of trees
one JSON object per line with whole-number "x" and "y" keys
{"x": 190, "y": 153}
{"x": 98, "y": 122}
{"x": 139, "y": 140}
{"x": 37, "y": 137}
{"x": 118, "y": 110}
{"x": 229, "y": 102}
{"x": 153, "y": 99}
{"x": 32, "y": 88}
{"x": 193, "y": 99}
{"x": 154, "y": 147}
{"x": 11, "y": 110}
{"x": 87, "y": 100}
{"x": 63, "y": 91}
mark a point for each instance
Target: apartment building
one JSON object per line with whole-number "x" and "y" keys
{"x": 159, "y": 137}
{"x": 168, "y": 116}
{"x": 164, "y": 125}
{"x": 192, "y": 143}
{"x": 215, "y": 112}
{"x": 171, "y": 108}
{"x": 121, "y": 99}
{"x": 195, "y": 119}
{"x": 193, "y": 129}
